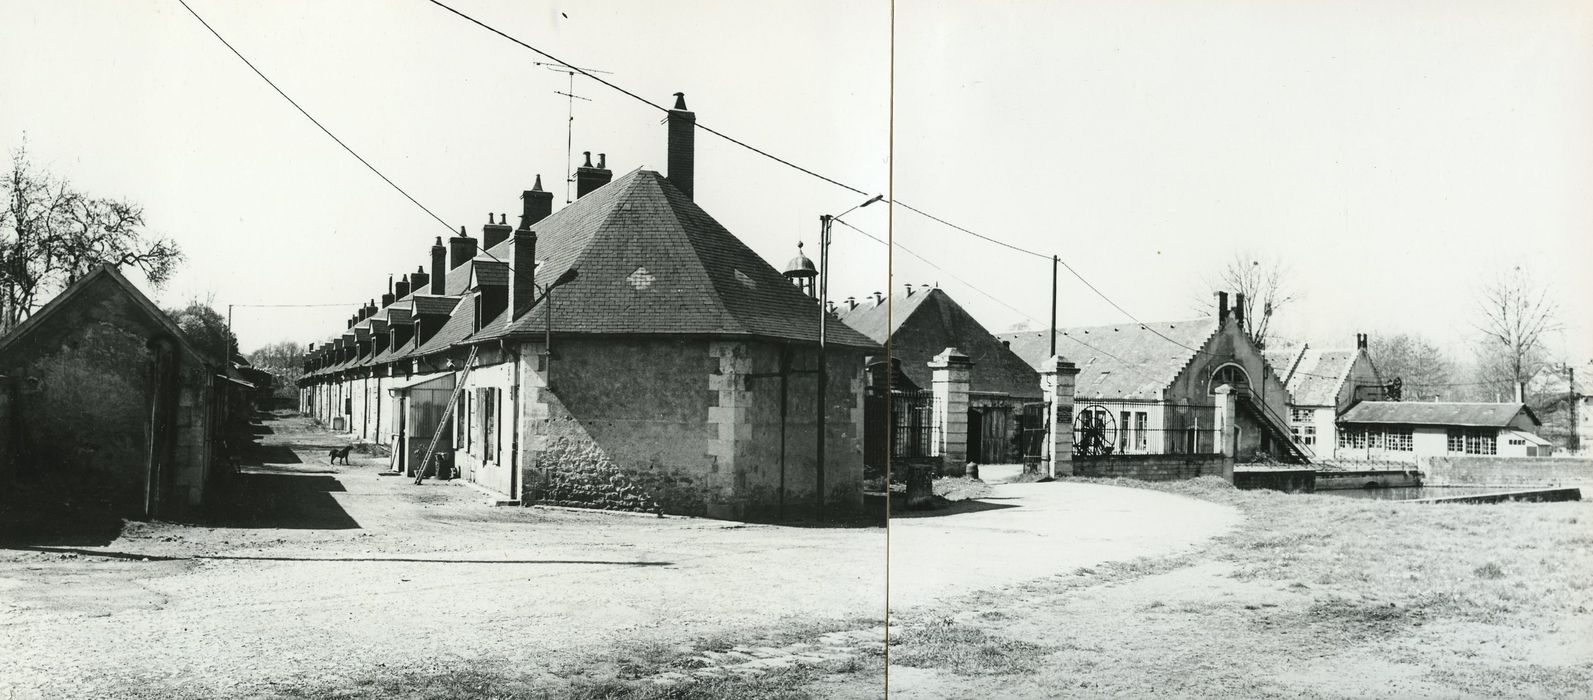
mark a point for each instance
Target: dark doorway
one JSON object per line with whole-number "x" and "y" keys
{"x": 976, "y": 436}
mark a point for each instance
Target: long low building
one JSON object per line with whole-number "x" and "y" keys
{"x": 624, "y": 352}
{"x": 1411, "y": 431}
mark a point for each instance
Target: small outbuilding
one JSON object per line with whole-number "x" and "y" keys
{"x": 1410, "y": 431}
{"x": 110, "y": 401}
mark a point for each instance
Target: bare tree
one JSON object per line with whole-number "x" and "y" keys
{"x": 51, "y": 234}
{"x": 1264, "y": 282}
{"x": 1517, "y": 312}
{"x": 1424, "y": 370}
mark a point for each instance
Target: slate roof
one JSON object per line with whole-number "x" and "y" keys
{"x": 653, "y": 262}
{"x": 489, "y": 273}
{"x": 1320, "y": 376}
{"x": 1119, "y": 362}
{"x": 927, "y": 322}
{"x": 458, "y": 327}
{"x": 1487, "y": 415}
{"x": 428, "y": 305}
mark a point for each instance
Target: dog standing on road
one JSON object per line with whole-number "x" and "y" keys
{"x": 338, "y": 453}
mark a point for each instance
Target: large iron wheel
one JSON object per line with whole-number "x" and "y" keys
{"x": 1094, "y": 432}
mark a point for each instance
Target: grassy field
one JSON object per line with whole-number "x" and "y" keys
{"x": 1313, "y": 597}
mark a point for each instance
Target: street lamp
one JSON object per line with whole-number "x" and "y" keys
{"x": 547, "y": 297}
{"x": 825, "y": 220}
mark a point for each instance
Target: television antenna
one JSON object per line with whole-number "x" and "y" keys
{"x": 569, "y": 130}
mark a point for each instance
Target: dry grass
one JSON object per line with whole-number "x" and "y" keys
{"x": 1419, "y": 599}
{"x": 942, "y": 643}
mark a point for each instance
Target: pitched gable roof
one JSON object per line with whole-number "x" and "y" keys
{"x": 651, "y": 261}
{"x": 1487, "y": 415}
{"x": 105, "y": 275}
{"x": 1120, "y": 362}
{"x": 927, "y": 322}
{"x": 1320, "y": 375}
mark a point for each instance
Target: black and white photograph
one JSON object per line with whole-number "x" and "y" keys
{"x": 796, "y": 349}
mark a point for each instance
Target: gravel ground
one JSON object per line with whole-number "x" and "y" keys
{"x": 326, "y": 576}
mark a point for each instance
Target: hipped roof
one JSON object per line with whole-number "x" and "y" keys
{"x": 650, "y": 261}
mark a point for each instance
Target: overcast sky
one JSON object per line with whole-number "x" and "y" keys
{"x": 1390, "y": 153}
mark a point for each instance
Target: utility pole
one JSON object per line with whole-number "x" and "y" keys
{"x": 1570, "y": 388}
{"x": 1054, "y": 260}
{"x": 824, "y": 313}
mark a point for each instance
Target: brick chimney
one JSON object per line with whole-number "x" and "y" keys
{"x": 401, "y": 288}
{"x": 1239, "y": 310}
{"x": 588, "y": 178}
{"x": 535, "y": 205}
{"x": 388, "y": 298}
{"x": 1360, "y": 341}
{"x": 418, "y": 280}
{"x": 494, "y": 233}
{"x": 682, "y": 146}
{"x": 439, "y": 267}
{"x": 1222, "y": 309}
{"x": 461, "y": 249}
{"x": 523, "y": 260}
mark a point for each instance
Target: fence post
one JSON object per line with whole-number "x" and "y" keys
{"x": 1057, "y": 377}
{"x": 1226, "y": 428}
{"x": 949, "y": 378}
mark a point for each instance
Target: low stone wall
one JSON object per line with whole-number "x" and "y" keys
{"x": 1327, "y": 480}
{"x": 1509, "y": 471}
{"x": 1302, "y": 480}
{"x": 1153, "y": 467}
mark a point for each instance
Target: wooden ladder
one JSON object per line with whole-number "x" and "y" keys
{"x": 448, "y": 412}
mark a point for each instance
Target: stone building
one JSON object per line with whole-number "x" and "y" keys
{"x": 624, "y": 352}
{"x": 1152, "y": 388}
{"x": 110, "y": 401}
{"x": 922, "y": 325}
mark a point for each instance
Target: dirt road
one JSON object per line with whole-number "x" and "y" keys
{"x": 323, "y": 576}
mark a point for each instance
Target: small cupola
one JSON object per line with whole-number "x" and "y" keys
{"x": 801, "y": 272}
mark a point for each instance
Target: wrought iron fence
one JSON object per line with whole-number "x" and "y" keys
{"x": 912, "y": 424}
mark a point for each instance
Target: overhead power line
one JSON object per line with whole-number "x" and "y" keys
{"x": 333, "y": 136}
{"x": 312, "y": 119}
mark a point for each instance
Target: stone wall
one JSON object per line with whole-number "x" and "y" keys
{"x": 686, "y": 426}
{"x": 1509, "y": 471}
{"x": 1153, "y": 467}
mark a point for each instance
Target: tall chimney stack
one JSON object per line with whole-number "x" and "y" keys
{"x": 588, "y": 178}
{"x": 1222, "y": 309}
{"x": 682, "y": 146}
{"x": 535, "y": 205}
{"x": 522, "y": 283}
{"x": 494, "y": 233}
{"x": 401, "y": 288}
{"x": 439, "y": 267}
{"x": 461, "y": 249}
{"x": 418, "y": 281}
{"x": 1239, "y": 309}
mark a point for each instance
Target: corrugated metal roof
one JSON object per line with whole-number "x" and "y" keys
{"x": 1488, "y": 415}
{"x": 1119, "y": 362}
